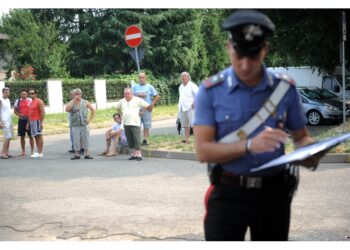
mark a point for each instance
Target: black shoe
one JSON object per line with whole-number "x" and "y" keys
{"x": 88, "y": 157}
{"x": 132, "y": 158}
{"x": 139, "y": 158}
{"x": 145, "y": 142}
{"x": 71, "y": 151}
{"x": 76, "y": 157}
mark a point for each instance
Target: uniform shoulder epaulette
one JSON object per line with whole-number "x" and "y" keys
{"x": 285, "y": 78}
{"x": 214, "y": 80}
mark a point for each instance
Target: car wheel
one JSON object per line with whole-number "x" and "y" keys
{"x": 314, "y": 117}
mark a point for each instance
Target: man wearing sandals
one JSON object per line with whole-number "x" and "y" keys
{"x": 6, "y": 122}
{"x": 79, "y": 109}
{"x": 115, "y": 134}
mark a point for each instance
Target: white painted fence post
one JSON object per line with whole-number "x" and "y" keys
{"x": 55, "y": 96}
{"x": 100, "y": 94}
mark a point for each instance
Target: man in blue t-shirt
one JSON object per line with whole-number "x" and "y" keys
{"x": 147, "y": 92}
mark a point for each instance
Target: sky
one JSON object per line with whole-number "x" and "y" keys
{"x": 4, "y": 11}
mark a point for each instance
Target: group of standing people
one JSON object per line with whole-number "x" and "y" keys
{"x": 133, "y": 111}
{"x": 136, "y": 110}
{"x": 31, "y": 114}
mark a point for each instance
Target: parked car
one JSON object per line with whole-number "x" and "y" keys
{"x": 321, "y": 104}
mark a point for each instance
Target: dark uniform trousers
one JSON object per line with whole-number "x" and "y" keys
{"x": 232, "y": 209}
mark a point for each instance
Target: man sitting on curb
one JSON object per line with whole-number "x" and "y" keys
{"x": 115, "y": 134}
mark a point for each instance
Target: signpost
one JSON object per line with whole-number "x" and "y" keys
{"x": 343, "y": 63}
{"x": 133, "y": 38}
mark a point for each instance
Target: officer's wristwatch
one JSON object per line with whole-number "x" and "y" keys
{"x": 248, "y": 146}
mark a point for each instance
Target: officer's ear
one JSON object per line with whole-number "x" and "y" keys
{"x": 266, "y": 48}
{"x": 229, "y": 43}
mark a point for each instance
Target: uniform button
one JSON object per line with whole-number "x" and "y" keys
{"x": 227, "y": 117}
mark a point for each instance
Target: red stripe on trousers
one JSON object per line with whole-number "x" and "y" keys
{"x": 206, "y": 199}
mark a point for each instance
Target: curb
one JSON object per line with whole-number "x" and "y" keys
{"x": 169, "y": 154}
{"x": 329, "y": 158}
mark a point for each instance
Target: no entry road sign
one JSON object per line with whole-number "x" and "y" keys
{"x": 133, "y": 36}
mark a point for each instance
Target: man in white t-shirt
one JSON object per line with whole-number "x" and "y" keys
{"x": 130, "y": 107}
{"x": 187, "y": 94}
{"x": 115, "y": 134}
{"x": 6, "y": 122}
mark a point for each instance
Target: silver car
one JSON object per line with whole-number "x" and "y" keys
{"x": 321, "y": 104}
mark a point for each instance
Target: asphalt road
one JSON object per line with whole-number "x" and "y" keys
{"x": 55, "y": 198}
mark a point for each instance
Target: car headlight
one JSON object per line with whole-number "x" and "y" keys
{"x": 330, "y": 107}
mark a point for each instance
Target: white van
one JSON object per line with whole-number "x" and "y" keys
{"x": 308, "y": 76}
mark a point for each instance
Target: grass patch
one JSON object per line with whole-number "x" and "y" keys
{"x": 336, "y": 131}
{"x": 173, "y": 142}
{"x": 170, "y": 143}
{"x": 58, "y": 123}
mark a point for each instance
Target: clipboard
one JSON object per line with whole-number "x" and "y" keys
{"x": 304, "y": 152}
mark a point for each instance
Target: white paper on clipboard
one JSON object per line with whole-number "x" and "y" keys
{"x": 304, "y": 152}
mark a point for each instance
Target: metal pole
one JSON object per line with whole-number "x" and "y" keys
{"x": 343, "y": 64}
{"x": 137, "y": 59}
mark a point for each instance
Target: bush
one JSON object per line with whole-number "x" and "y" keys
{"x": 166, "y": 87}
{"x": 17, "y": 86}
{"x": 86, "y": 85}
{"x": 115, "y": 88}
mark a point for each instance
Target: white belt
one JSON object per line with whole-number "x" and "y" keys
{"x": 260, "y": 117}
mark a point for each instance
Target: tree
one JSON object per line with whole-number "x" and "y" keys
{"x": 306, "y": 37}
{"x": 33, "y": 43}
{"x": 174, "y": 40}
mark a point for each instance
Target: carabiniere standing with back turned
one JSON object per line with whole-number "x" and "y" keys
{"x": 241, "y": 115}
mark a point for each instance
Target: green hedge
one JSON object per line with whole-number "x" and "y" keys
{"x": 115, "y": 88}
{"x": 17, "y": 86}
{"x": 166, "y": 87}
{"x": 86, "y": 85}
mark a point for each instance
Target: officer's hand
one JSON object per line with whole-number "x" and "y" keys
{"x": 312, "y": 162}
{"x": 268, "y": 140}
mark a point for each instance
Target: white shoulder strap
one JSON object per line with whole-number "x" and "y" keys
{"x": 260, "y": 117}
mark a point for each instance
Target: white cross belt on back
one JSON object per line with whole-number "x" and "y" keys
{"x": 259, "y": 117}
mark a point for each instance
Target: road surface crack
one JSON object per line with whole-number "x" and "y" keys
{"x": 33, "y": 229}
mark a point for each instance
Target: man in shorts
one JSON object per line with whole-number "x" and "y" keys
{"x": 22, "y": 111}
{"x": 36, "y": 118}
{"x": 115, "y": 135}
{"x": 187, "y": 94}
{"x": 6, "y": 122}
{"x": 148, "y": 93}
